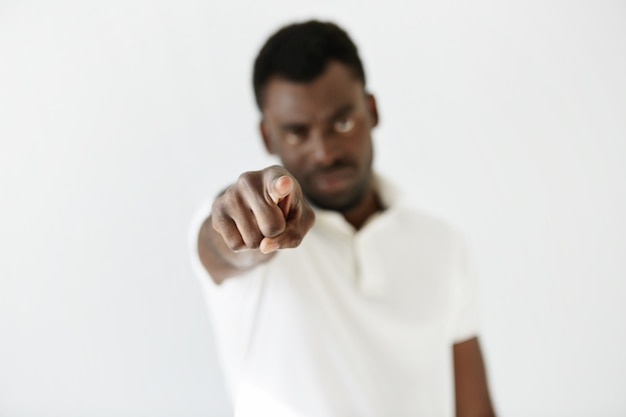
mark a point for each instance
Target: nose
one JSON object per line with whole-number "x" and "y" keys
{"x": 324, "y": 148}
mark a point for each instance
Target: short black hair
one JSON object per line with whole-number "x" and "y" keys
{"x": 300, "y": 52}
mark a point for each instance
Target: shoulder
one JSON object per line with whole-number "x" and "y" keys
{"x": 411, "y": 216}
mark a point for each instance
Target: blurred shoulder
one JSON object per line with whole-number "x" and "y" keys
{"x": 409, "y": 209}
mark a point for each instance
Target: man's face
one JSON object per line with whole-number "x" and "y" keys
{"x": 321, "y": 130}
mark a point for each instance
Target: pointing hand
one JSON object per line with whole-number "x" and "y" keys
{"x": 263, "y": 210}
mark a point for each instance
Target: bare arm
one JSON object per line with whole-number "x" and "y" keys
{"x": 261, "y": 212}
{"x": 470, "y": 380}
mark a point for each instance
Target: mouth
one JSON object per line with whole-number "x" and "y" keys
{"x": 333, "y": 179}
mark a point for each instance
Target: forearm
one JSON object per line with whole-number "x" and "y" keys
{"x": 219, "y": 260}
{"x": 471, "y": 388}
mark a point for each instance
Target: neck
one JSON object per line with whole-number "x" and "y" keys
{"x": 358, "y": 215}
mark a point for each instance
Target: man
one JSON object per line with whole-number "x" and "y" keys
{"x": 330, "y": 295}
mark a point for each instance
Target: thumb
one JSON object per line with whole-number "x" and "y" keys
{"x": 280, "y": 190}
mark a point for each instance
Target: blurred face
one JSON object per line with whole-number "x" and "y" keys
{"x": 321, "y": 130}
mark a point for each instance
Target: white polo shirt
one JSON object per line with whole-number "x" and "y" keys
{"x": 349, "y": 323}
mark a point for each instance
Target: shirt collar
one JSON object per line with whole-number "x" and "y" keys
{"x": 390, "y": 195}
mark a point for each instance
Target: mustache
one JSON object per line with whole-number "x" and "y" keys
{"x": 338, "y": 164}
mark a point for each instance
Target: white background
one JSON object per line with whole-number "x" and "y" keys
{"x": 117, "y": 118}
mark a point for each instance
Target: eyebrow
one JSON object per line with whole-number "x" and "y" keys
{"x": 291, "y": 127}
{"x": 342, "y": 111}
{"x": 300, "y": 126}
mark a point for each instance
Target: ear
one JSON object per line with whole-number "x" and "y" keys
{"x": 371, "y": 107}
{"x": 266, "y": 138}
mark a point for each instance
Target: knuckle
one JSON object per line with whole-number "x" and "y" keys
{"x": 234, "y": 244}
{"x": 218, "y": 221}
{"x": 272, "y": 172}
{"x": 223, "y": 207}
{"x": 252, "y": 239}
{"x": 247, "y": 180}
{"x": 273, "y": 169}
{"x": 217, "y": 208}
{"x": 272, "y": 227}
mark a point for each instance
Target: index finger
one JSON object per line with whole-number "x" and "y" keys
{"x": 280, "y": 191}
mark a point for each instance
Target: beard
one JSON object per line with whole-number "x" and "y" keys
{"x": 341, "y": 200}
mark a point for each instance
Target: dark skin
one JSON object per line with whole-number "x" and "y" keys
{"x": 321, "y": 131}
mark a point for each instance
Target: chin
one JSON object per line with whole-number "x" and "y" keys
{"x": 340, "y": 202}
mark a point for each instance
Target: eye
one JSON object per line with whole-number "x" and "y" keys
{"x": 294, "y": 137}
{"x": 344, "y": 125}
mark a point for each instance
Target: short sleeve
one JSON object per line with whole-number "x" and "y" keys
{"x": 466, "y": 303}
{"x": 200, "y": 215}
